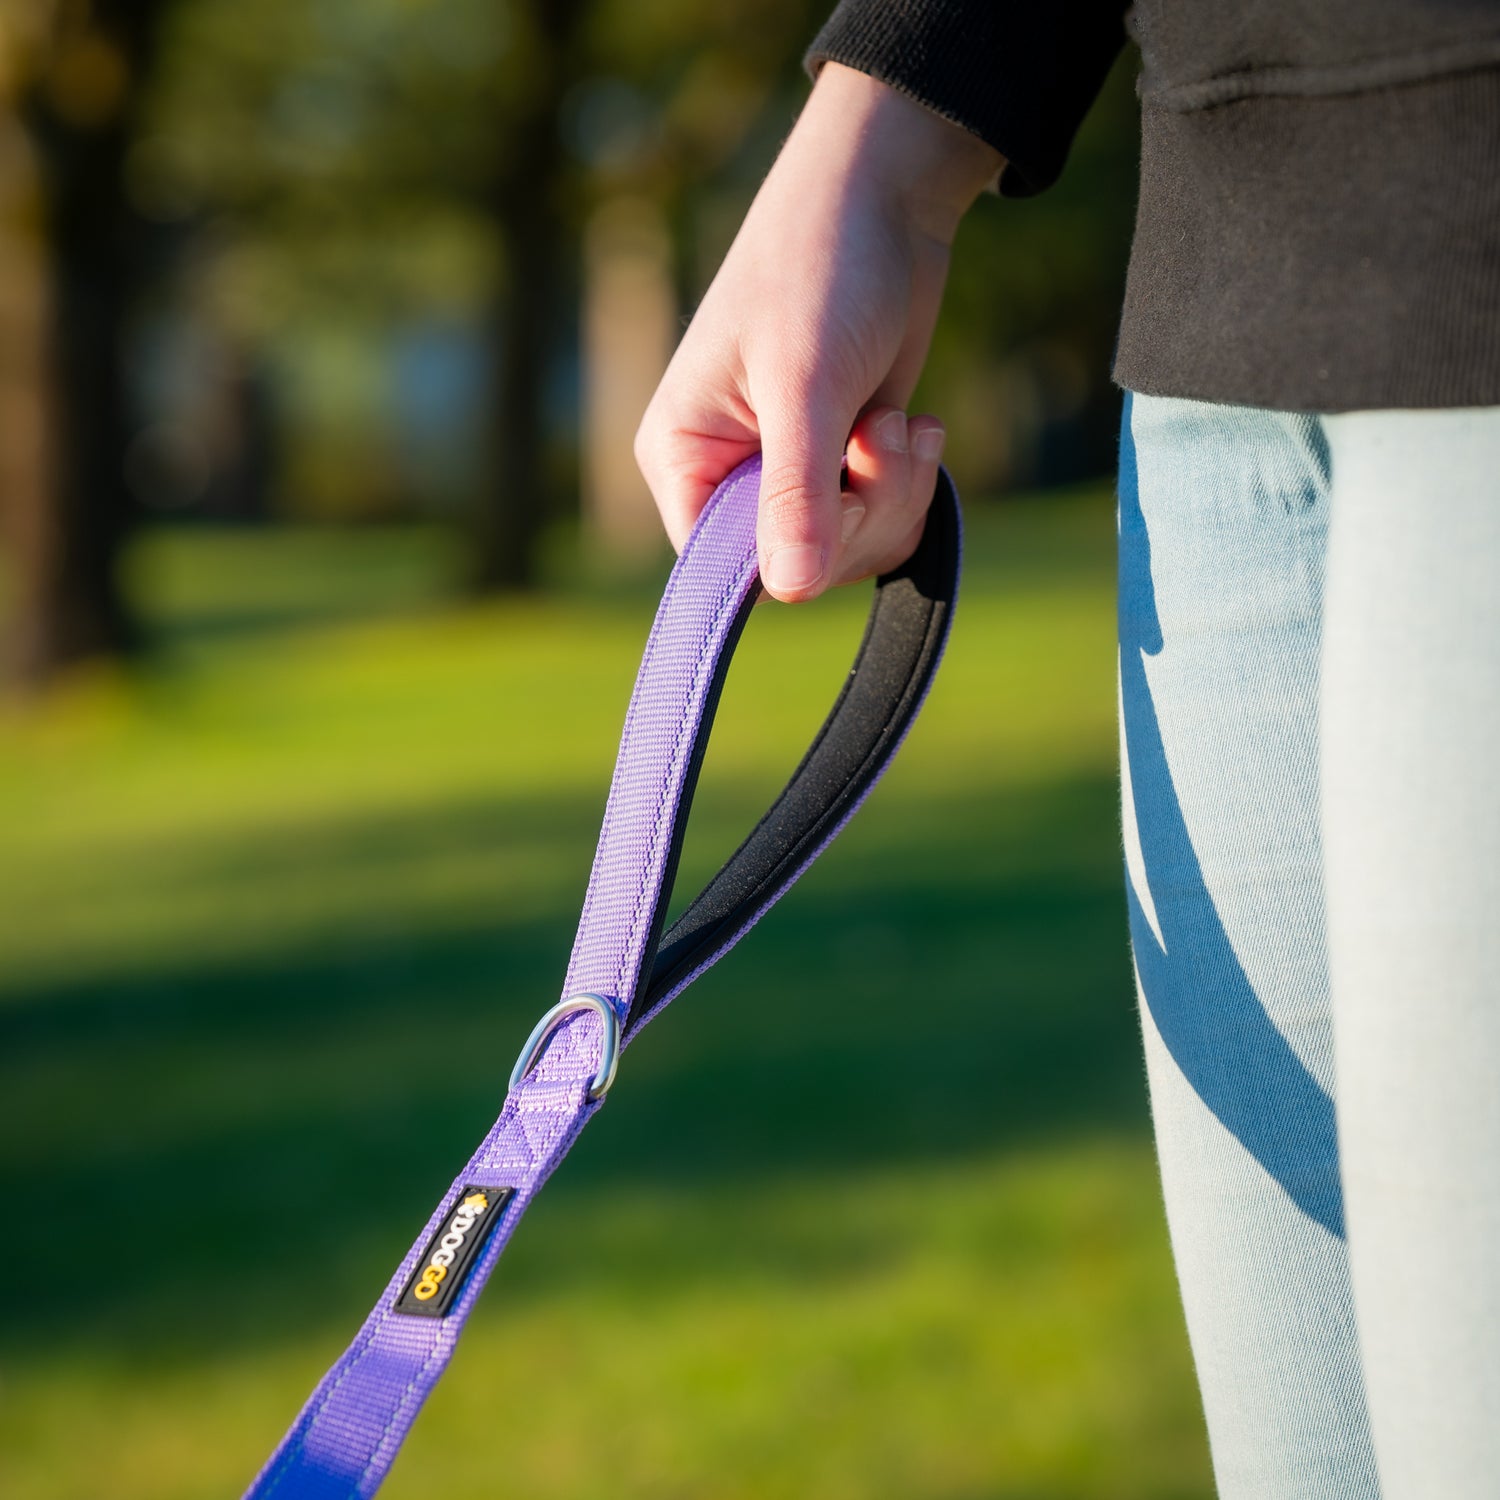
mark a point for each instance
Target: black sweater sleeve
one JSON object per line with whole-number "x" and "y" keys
{"x": 1020, "y": 74}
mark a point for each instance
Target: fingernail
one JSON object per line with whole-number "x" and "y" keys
{"x": 789, "y": 570}
{"x": 929, "y": 444}
{"x": 853, "y": 515}
{"x": 891, "y": 430}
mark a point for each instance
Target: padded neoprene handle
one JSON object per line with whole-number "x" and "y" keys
{"x": 910, "y": 616}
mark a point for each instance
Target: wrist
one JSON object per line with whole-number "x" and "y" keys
{"x": 929, "y": 168}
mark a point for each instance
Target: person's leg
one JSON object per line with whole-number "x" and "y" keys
{"x": 1411, "y": 820}
{"x": 1222, "y": 531}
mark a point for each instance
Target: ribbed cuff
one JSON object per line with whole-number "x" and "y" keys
{"x": 1021, "y": 77}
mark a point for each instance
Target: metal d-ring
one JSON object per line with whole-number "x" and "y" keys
{"x": 543, "y": 1031}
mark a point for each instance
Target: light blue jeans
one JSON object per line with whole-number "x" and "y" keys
{"x": 1310, "y": 734}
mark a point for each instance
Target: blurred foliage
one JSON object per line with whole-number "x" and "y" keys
{"x": 335, "y": 166}
{"x": 874, "y": 1213}
{"x": 339, "y": 151}
{"x": 337, "y": 244}
{"x": 332, "y": 163}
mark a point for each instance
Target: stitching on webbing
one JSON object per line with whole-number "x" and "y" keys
{"x": 627, "y": 738}
{"x": 358, "y": 1352}
{"x": 360, "y": 1349}
{"x": 666, "y": 803}
{"x": 576, "y": 1119}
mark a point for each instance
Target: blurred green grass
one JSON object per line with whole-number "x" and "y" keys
{"x": 873, "y": 1211}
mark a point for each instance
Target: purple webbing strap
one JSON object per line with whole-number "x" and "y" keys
{"x": 349, "y": 1432}
{"x": 698, "y": 619}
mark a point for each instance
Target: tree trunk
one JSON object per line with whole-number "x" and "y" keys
{"x": 540, "y": 254}
{"x": 516, "y": 499}
{"x": 67, "y": 521}
{"x": 83, "y": 609}
{"x": 26, "y": 514}
{"x": 630, "y": 321}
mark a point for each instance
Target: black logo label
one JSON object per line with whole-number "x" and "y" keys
{"x": 439, "y": 1277}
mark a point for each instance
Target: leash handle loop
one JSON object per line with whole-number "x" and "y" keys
{"x": 623, "y": 969}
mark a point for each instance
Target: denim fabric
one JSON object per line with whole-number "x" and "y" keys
{"x": 1411, "y": 829}
{"x": 1246, "y": 545}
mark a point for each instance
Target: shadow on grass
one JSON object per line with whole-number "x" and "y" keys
{"x": 234, "y": 1154}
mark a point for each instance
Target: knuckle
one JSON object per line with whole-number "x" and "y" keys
{"x": 790, "y": 502}
{"x": 888, "y": 502}
{"x": 892, "y": 548}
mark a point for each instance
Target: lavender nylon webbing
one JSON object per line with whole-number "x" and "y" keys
{"x": 349, "y": 1432}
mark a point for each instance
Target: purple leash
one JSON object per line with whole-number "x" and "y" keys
{"x": 624, "y": 969}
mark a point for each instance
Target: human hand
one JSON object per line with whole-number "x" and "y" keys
{"x": 812, "y": 337}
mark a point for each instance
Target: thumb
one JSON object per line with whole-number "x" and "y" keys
{"x": 801, "y": 510}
